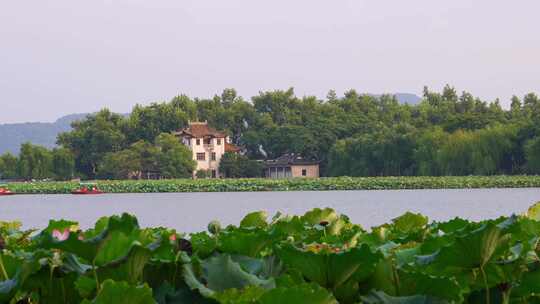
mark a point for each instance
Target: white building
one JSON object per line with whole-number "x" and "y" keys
{"x": 207, "y": 146}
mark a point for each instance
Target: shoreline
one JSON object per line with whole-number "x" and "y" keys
{"x": 298, "y": 184}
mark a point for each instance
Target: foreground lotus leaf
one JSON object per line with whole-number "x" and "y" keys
{"x": 382, "y": 298}
{"x": 300, "y": 294}
{"x": 122, "y": 293}
{"x": 320, "y": 257}
{"x": 219, "y": 273}
{"x": 330, "y": 269}
{"x": 255, "y": 219}
{"x": 534, "y": 212}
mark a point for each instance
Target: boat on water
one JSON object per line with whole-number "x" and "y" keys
{"x": 4, "y": 190}
{"x": 87, "y": 188}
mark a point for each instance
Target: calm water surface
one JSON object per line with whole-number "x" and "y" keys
{"x": 192, "y": 211}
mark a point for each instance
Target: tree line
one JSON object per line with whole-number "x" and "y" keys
{"x": 447, "y": 133}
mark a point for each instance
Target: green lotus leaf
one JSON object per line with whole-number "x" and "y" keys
{"x": 219, "y": 273}
{"x": 379, "y": 297}
{"x": 10, "y": 264}
{"x": 203, "y": 244}
{"x": 71, "y": 263}
{"x": 86, "y": 286}
{"x": 408, "y": 227}
{"x": 317, "y": 216}
{"x": 330, "y": 269}
{"x": 452, "y": 225}
{"x": 168, "y": 247}
{"x": 378, "y": 236}
{"x": 125, "y": 223}
{"x": 287, "y": 226}
{"x": 528, "y": 285}
{"x": 255, "y": 219}
{"x": 534, "y": 212}
{"x": 298, "y": 294}
{"x": 481, "y": 246}
{"x": 115, "y": 247}
{"x": 267, "y": 267}
{"x": 409, "y": 223}
{"x": 414, "y": 283}
{"x": 248, "y": 295}
{"x": 99, "y": 227}
{"x": 122, "y": 293}
{"x": 245, "y": 242}
{"x": 8, "y": 288}
{"x": 167, "y": 294}
{"x": 127, "y": 268}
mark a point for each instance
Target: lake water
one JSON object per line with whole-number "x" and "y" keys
{"x": 190, "y": 212}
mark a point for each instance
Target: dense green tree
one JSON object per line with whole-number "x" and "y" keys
{"x": 388, "y": 152}
{"x": 35, "y": 162}
{"x": 233, "y": 165}
{"x": 8, "y": 166}
{"x": 63, "y": 164}
{"x": 147, "y": 122}
{"x": 532, "y": 151}
{"x": 174, "y": 159}
{"x": 447, "y": 133}
{"x": 92, "y": 138}
{"x": 426, "y": 153}
{"x": 118, "y": 165}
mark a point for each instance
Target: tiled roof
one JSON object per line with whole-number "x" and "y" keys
{"x": 231, "y": 148}
{"x": 201, "y": 129}
{"x": 290, "y": 159}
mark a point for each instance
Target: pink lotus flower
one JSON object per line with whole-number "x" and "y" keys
{"x": 60, "y": 236}
{"x": 172, "y": 237}
{"x": 80, "y": 237}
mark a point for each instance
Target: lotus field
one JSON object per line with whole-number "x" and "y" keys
{"x": 317, "y": 258}
{"x": 296, "y": 184}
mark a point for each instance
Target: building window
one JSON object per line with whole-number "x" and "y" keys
{"x": 304, "y": 172}
{"x": 207, "y": 141}
{"x": 200, "y": 156}
{"x": 214, "y": 174}
{"x": 198, "y": 142}
{"x": 218, "y": 141}
{"x": 213, "y": 156}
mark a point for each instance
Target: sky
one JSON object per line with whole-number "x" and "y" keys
{"x": 76, "y": 56}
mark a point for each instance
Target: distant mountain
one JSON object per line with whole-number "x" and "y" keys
{"x": 39, "y": 133}
{"x": 409, "y": 98}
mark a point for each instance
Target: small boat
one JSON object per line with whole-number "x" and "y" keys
{"x": 5, "y": 191}
{"x": 87, "y": 188}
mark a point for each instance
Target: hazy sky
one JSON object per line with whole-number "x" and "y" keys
{"x": 65, "y": 56}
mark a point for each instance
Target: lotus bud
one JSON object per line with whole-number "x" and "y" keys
{"x": 214, "y": 227}
{"x": 60, "y": 235}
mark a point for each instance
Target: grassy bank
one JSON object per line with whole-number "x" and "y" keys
{"x": 321, "y": 184}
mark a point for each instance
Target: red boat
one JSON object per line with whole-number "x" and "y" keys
{"x": 5, "y": 191}
{"x": 87, "y": 188}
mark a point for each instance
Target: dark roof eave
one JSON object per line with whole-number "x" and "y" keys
{"x": 277, "y": 164}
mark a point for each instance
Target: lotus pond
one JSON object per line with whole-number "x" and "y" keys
{"x": 319, "y": 257}
{"x": 297, "y": 184}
